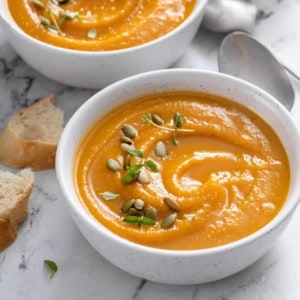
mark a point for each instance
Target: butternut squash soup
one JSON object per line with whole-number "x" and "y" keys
{"x": 182, "y": 170}
{"x": 98, "y": 25}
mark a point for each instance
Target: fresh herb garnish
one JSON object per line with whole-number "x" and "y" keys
{"x": 52, "y": 266}
{"x": 151, "y": 165}
{"x": 135, "y": 153}
{"x": 109, "y": 196}
{"x": 132, "y": 173}
{"x": 140, "y": 220}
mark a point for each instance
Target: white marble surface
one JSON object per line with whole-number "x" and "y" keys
{"x": 49, "y": 232}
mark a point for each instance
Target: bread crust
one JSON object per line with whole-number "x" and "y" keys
{"x": 17, "y": 152}
{"x": 15, "y": 215}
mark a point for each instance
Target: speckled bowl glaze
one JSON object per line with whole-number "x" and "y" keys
{"x": 86, "y": 69}
{"x": 168, "y": 266}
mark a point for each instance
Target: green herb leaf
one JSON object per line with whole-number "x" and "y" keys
{"x": 151, "y": 165}
{"x": 190, "y": 217}
{"x": 174, "y": 138}
{"x": 131, "y": 219}
{"x": 147, "y": 118}
{"x": 146, "y": 221}
{"x": 52, "y": 266}
{"x": 178, "y": 119}
{"x": 140, "y": 220}
{"x": 132, "y": 173}
{"x": 92, "y": 33}
{"x": 109, "y": 196}
{"x": 135, "y": 153}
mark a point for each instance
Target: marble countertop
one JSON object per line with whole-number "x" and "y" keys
{"x": 49, "y": 232}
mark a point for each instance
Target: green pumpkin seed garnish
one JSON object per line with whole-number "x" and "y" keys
{"x": 38, "y": 4}
{"x": 143, "y": 177}
{"x": 157, "y": 119}
{"x": 168, "y": 221}
{"x": 126, "y": 147}
{"x": 134, "y": 212}
{"x": 150, "y": 212}
{"x": 139, "y": 204}
{"x": 109, "y": 195}
{"x": 45, "y": 22}
{"x": 160, "y": 149}
{"x": 129, "y": 131}
{"x": 92, "y": 33}
{"x": 127, "y": 205}
{"x": 172, "y": 204}
{"x": 113, "y": 165}
{"x": 125, "y": 139}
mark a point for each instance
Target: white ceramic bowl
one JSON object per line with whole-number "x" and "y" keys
{"x": 168, "y": 266}
{"x": 87, "y": 69}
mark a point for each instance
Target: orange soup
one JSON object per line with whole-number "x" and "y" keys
{"x": 99, "y": 25}
{"x": 182, "y": 171}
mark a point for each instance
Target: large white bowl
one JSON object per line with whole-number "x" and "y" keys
{"x": 87, "y": 69}
{"x": 168, "y": 266}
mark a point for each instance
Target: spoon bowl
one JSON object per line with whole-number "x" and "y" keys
{"x": 243, "y": 56}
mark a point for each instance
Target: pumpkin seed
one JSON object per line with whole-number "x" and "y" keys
{"x": 126, "y": 147}
{"x": 150, "y": 212}
{"x": 143, "y": 177}
{"x": 172, "y": 204}
{"x": 138, "y": 204}
{"x": 168, "y": 221}
{"x": 127, "y": 162}
{"x": 160, "y": 149}
{"x": 45, "y": 22}
{"x": 127, "y": 205}
{"x": 157, "y": 119}
{"x": 125, "y": 139}
{"x": 92, "y": 33}
{"x": 129, "y": 131}
{"x": 38, "y": 4}
{"x": 113, "y": 165}
{"x": 134, "y": 212}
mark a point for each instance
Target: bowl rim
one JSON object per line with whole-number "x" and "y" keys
{"x": 287, "y": 209}
{"x": 7, "y": 18}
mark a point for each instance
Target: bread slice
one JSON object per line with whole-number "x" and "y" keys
{"x": 31, "y": 136}
{"x": 15, "y": 190}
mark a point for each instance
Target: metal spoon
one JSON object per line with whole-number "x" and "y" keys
{"x": 229, "y": 15}
{"x": 245, "y": 57}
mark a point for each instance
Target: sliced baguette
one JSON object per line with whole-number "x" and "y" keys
{"x": 15, "y": 190}
{"x": 31, "y": 136}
